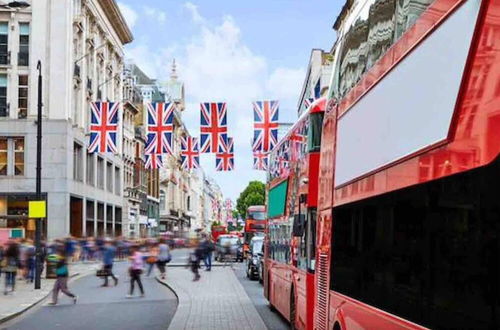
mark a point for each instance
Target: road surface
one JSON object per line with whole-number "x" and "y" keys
{"x": 104, "y": 308}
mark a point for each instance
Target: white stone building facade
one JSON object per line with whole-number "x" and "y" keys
{"x": 80, "y": 46}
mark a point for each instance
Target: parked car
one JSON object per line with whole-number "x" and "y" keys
{"x": 255, "y": 258}
{"x": 228, "y": 247}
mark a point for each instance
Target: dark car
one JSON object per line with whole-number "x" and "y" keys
{"x": 228, "y": 247}
{"x": 255, "y": 258}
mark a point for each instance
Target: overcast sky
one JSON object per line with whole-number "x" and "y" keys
{"x": 232, "y": 51}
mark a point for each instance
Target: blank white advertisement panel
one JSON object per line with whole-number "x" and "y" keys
{"x": 412, "y": 106}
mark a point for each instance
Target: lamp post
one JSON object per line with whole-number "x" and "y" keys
{"x": 38, "y": 227}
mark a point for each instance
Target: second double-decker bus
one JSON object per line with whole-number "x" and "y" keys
{"x": 292, "y": 192}
{"x": 255, "y": 224}
{"x": 409, "y": 186}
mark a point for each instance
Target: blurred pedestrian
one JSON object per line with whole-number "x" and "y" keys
{"x": 69, "y": 248}
{"x": 135, "y": 270}
{"x": 108, "y": 260}
{"x": 1, "y": 259}
{"x": 62, "y": 274}
{"x": 30, "y": 261}
{"x": 208, "y": 247}
{"x": 152, "y": 257}
{"x": 164, "y": 257}
{"x": 11, "y": 264}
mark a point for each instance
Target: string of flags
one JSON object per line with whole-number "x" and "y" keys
{"x": 213, "y": 136}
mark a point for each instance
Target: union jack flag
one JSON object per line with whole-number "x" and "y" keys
{"x": 215, "y": 208}
{"x": 283, "y": 160}
{"x": 213, "y": 128}
{"x": 224, "y": 159}
{"x": 103, "y": 126}
{"x": 266, "y": 114}
{"x": 190, "y": 153}
{"x": 308, "y": 101}
{"x": 229, "y": 204}
{"x": 154, "y": 161}
{"x": 298, "y": 141}
{"x": 260, "y": 161}
{"x": 160, "y": 128}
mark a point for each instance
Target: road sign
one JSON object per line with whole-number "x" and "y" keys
{"x": 37, "y": 209}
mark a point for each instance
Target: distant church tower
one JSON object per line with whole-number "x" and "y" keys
{"x": 175, "y": 89}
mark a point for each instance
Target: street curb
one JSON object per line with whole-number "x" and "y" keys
{"x": 168, "y": 286}
{"x": 72, "y": 278}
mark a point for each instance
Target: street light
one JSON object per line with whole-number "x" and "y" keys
{"x": 38, "y": 227}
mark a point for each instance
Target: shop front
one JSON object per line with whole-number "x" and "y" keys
{"x": 14, "y": 219}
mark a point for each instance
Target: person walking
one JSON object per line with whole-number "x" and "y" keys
{"x": 30, "y": 262}
{"x": 208, "y": 248}
{"x": 135, "y": 270}
{"x": 62, "y": 274}
{"x": 152, "y": 258}
{"x": 164, "y": 257}
{"x": 108, "y": 260}
{"x": 10, "y": 265}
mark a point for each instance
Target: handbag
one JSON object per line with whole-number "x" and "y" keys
{"x": 102, "y": 272}
{"x": 151, "y": 260}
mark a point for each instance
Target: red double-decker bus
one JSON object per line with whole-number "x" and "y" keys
{"x": 409, "y": 209}
{"x": 292, "y": 196}
{"x": 255, "y": 224}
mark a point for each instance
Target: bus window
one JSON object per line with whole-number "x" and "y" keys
{"x": 311, "y": 240}
{"x": 314, "y": 134}
{"x": 256, "y": 215}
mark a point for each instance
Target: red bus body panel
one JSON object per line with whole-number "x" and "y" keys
{"x": 473, "y": 141}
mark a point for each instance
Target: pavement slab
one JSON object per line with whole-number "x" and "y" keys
{"x": 216, "y": 301}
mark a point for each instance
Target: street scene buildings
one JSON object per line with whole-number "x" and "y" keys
{"x": 250, "y": 164}
{"x": 80, "y": 47}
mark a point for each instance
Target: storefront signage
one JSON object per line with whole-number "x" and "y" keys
{"x": 37, "y": 209}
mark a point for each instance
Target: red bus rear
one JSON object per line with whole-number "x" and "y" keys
{"x": 255, "y": 224}
{"x": 292, "y": 192}
{"x": 408, "y": 224}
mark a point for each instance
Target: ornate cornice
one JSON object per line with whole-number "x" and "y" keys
{"x": 117, "y": 20}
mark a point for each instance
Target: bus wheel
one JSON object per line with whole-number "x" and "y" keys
{"x": 292, "y": 310}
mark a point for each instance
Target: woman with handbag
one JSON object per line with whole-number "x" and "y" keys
{"x": 135, "y": 270}
{"x": 10, "y": 265}
{"x": 62, "y": 274}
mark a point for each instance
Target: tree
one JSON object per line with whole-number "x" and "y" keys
{"x": 254, "y": 194}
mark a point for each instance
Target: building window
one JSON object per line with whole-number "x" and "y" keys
{"x": 22, "y": 99}
{"x": 4, "y": 43}
{"x": 90, "y": 169}
{"x": 24, "y": 44}
{"x": 4, "y": 155}
{"x": 77, "y": 162}
{"x": 118, "y": 186}
{"x": 3, "y": 96}
{"x": 109, "y": 177}
{"x": 12, "y": 156}
{"x": 100, "y": 172}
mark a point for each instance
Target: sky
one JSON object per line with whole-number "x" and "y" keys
{"x": 235, "y": 52}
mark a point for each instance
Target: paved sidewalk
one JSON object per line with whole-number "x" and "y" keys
{"x": 216, "y": 301}
{"x": 26, "y": 296}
